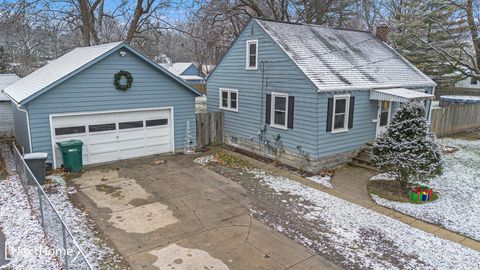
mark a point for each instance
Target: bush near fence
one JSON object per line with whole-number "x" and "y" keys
{"x": 59, "y": 237}
{"x": 454, "y": 119}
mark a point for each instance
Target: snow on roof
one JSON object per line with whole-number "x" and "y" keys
{"x": 56, "y": 70}
{"x": 191, "y": 77}
{"x": 399, "y": 95}
{"x": 177, "y": 68}
{"x": 336, "y": 59}
{"x": 6, "y": 80}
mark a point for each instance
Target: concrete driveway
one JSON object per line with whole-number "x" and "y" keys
{"x": 177, "y": 215}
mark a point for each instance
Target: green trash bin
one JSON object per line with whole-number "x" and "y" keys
{"x": 72, "y": 155}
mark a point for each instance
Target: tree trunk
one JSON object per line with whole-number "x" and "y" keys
{"x": 86, "y": 21}
{"x": 134, "y": 23}
{"x": 404, "y": 185}
{"x": 474, "y": 32}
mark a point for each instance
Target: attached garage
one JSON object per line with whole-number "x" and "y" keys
{"x": 149, "y": 117}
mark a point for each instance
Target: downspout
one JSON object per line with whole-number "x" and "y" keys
{"x": 263, "y": 126}
{"x": 430, "y": 110}
{"x": 19, "y": 107}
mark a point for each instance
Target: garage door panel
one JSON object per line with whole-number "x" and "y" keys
{"x": 77, "y": 120}
{"x": 156, "y": 114}
{"x": 156, "y": 132}
{"x": 103, "y": 118}
{"x": 113, "y": 136}
{"x": 129, "y": 116}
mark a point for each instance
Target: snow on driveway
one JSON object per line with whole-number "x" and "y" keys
{"x": 458, "y": 205}
{"x": 358, "y": 237}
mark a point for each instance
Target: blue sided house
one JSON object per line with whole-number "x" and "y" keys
{"x": 311, "y": 94}
{"x": 187, "y": 71}
{"x": 118, "y": 102}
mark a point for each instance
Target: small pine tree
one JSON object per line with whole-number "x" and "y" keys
{"x": 407, "y": 150}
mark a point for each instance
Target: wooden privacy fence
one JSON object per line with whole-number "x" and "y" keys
{"x": 209, "y": 129}
{"x": 454, "y": 119}
{"x": 444, "y": 91}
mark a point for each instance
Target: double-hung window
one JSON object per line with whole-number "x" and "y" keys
{"x": 228, "y": 99}
{"x": 252, "y": 54}
{"x": 279, "y": 110}
{"x": 341, "y": 105}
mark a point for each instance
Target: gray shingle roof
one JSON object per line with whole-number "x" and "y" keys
{"x": 336, "y": 59}
{"x": 65, "y": 66}
{"x": 56, "y": 70}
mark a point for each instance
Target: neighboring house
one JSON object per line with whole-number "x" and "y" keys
{"x": 6, "y": 115}
{"x": 308, "y": 95}
{"x": 187, "y": 71}
{"x": 470, "y": 83}
{"x": 75, "y": 97}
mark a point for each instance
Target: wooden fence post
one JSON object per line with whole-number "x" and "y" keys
{"x": 209, "y": 129}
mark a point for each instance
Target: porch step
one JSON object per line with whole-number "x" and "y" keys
{"x": 363, "y": 157}
{"x": 362, "y": 165}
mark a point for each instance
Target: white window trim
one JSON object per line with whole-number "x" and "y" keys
{"x": 247, "y": 55}
{"x": 229, "y": 91}
{"x": 347, "y": 110}
{"x": 272, "y": 110}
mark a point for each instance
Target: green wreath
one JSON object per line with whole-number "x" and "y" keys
{"x": 117, "y": 81}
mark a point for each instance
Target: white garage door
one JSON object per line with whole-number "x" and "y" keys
{"x": 114, "y": 136}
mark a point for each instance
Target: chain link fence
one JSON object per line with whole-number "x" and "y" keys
{"x": 63, "y": 244}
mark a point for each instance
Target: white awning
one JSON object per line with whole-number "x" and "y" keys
{"x": 399, "y": 95}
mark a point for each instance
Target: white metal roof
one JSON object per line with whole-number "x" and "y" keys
{"x": 399, "y": 95}
{"x": 6, "y": 80}
{"x": 56, "y": 70}
{"x": 336, "y": 59}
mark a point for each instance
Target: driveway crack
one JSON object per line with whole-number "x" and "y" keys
{"x": 194, "y": 213}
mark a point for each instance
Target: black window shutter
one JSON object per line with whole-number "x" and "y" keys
{"x": 350, "y": 112}
{"x": 291, "y": 108}
{"x": 268, "y": 108}
{"x": 329, "y": 114}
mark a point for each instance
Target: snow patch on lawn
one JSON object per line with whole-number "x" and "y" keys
{"x": 458, "y": 205}
{"x": 383, "y": 176}
{"x": 22, "y": 229}
{"x": 358, "y": 233}
{"x": 323, "y": 180}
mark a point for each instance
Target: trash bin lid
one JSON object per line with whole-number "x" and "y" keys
{"x": 35, "y": 156}
{"x": 71, "y": 143}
